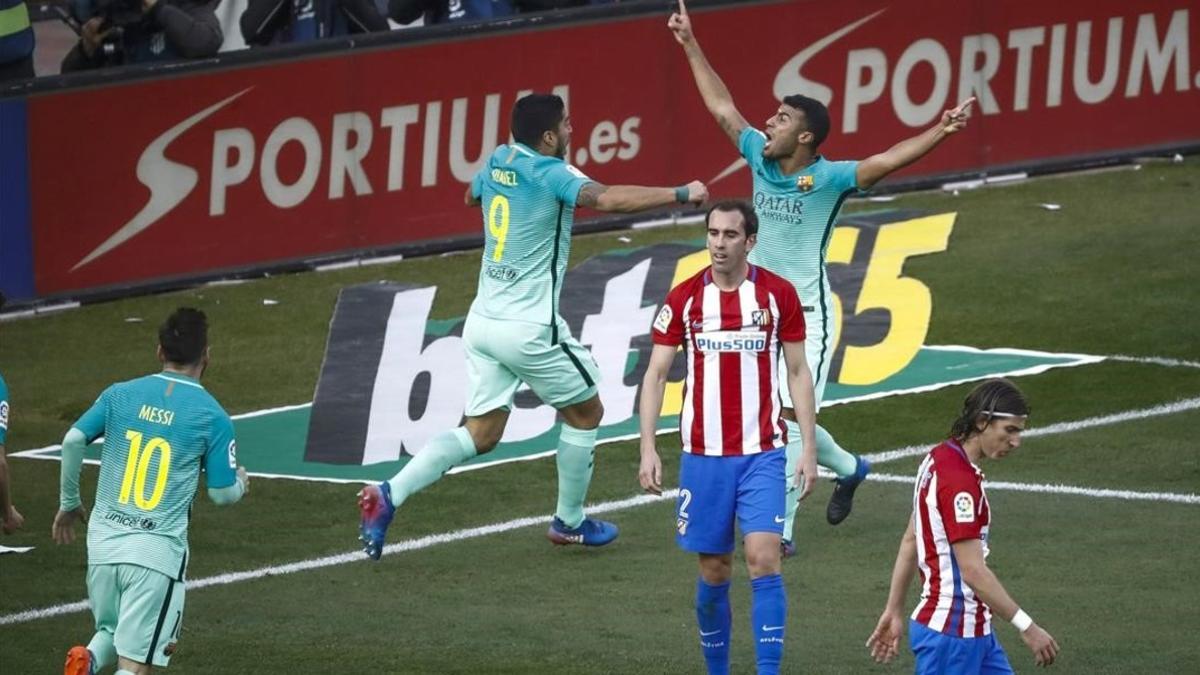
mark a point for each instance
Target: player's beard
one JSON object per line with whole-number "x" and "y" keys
{"x": 561, "y": 151}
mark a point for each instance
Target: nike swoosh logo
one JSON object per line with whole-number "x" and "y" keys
{"x": 711, "y": 632}
{"x": 169, "y": 182}
{"x": 780, "y": 520}
{"x": 768, "y": 629}
{"x": 790, "y": 81}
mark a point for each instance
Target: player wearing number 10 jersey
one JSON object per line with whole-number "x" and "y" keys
{"x": 159, "y": 432}
{"x": 514, "y": 333}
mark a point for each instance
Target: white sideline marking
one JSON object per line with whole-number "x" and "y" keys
{"x": 1155, "y": 360}
{"x": 1059, "y": 428}
{"x": 639, "y": 500}
{"x": 1099, "y": 493}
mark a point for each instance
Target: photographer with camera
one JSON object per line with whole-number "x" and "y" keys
{"x": 118, "y": 32}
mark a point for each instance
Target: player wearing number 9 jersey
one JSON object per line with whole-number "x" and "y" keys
{"x": 514, "y": 333}
{"x": 160, "y": 431}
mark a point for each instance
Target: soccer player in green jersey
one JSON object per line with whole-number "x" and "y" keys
{"x": 514, "y": 333}
{"x": 789, "y": 174}
{"x": 11, "y": 519}
{"x": 160, "y": 431}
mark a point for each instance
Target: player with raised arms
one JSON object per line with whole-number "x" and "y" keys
{"x": 797, "y": 195}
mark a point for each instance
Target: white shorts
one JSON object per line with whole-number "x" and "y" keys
{"x": 818, "y": 352}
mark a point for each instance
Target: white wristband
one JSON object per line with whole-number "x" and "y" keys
{"x": 1021, "y": 620}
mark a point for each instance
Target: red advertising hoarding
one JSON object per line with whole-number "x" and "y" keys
{"x": 372, "y": 148}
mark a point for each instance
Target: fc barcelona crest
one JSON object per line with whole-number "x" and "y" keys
{"x": 804, "y": 183}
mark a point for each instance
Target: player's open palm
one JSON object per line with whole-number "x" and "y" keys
{"x": 955, "y": 120}
{"x": 884, "y": 642}
{"x": 63, "y": 529}
{"x": 681, "y": 25}
{"x": 1042, "y": 644}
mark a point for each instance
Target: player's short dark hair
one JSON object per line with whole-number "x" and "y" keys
{"x": 184, "y": 336}
{"x": 749, "y": 217}
{"x": 816, "y": 114}
{"x": 996, "y": 396}
{"x": 534, "y": 115}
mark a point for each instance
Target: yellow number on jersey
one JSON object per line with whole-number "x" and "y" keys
{"x": 498, "y": 223}
{"x": 138, "y": 465}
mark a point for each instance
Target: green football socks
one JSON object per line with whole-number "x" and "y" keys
{"x": 576, "y": 456}
{"x": 444, "y": 451}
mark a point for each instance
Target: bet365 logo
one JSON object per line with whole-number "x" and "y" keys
{"x": 880, "y": 315}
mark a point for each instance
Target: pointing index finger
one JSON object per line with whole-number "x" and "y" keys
{"x": 682, "y": 8}
{"x": 962, "y": 107}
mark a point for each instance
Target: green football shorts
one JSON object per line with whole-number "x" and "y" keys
{"x": 501, "y": 354}
{"x": 140, "y": 607}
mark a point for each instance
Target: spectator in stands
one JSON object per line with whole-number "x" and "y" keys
{"x": 280, "y": 21}
{"x": 444, "y": 11}
{"x": 16, "y": 41}
{"x": 117, "y": 32}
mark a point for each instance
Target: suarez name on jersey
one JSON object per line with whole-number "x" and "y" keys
{"x": 528, "y": 203}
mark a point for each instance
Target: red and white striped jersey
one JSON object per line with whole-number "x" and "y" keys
{"x": 732, "y": 344}
{"x": 949, "y": 505}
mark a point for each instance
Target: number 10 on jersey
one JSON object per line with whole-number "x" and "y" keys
{"x": 498, "y": 224}
{"x": 138, "y": 465}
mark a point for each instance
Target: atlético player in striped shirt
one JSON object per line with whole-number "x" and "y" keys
{"x": 732, "y": 319}
{"x": 947, "y": 541}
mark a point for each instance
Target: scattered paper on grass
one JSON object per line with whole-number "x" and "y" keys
{"x": 134, "y": 319}
{"x": 15, "y": 549}
{"x": 882, "y": 198}
{"x": 624, "y": 239}
{"x": 268, "y": 301}
{"x": 1178, "y": 158}
{"x": 1051, "y": 207}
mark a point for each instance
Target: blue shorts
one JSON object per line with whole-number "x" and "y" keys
{"x": 715, "y": 490}
{"x": 938, "y": 653}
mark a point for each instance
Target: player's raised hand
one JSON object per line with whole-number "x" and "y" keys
{"x": 63, "y": 529}
{"x": 650, "y": 472}
{"x": 956, "y": 120}
{"x": 697, "y": 192}
{"x": 1041, "y": 643}
{"x": 681, "y": 25}
{"x": 884, "y": 642}
{"x": 806, "y": 473}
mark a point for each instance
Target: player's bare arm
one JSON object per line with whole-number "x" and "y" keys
{"x": 714, "y": 92}
{"x": 633, "y": 198}
{"x": 876, "y": 167}
{"x": 884, "y": 642}
{"x": 470, "y": 199}
{"x": 654, "y": 383}
{"x": 981, "y": 579}
{"x": 800, "y": 386}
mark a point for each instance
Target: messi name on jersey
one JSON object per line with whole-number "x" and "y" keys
{"x": 731, "y": 341}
